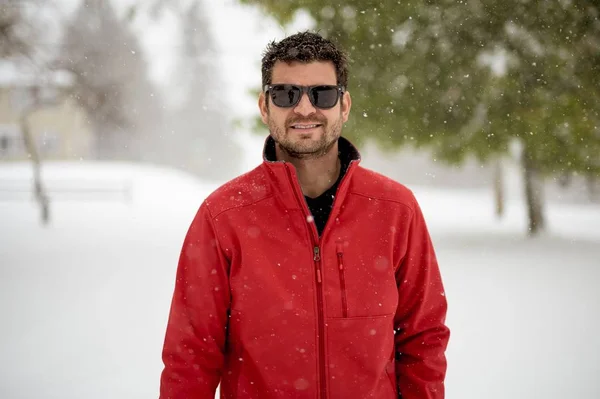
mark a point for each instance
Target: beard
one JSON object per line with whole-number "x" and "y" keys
{"x": 303, "y": 146}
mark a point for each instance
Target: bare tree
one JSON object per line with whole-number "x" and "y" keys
{"x": 39, "y": 192}
{"x": 17, "y": 32}
{"x": 20, "y": 33}
{"x": 111, "y": 82}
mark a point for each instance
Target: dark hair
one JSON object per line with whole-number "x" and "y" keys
{"x": 304, "y": 47}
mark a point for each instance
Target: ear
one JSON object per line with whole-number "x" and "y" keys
{"x": 264, "y": 107}
{"x": 346, "y": 105}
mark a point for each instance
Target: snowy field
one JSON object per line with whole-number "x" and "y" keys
{"x": 84, "y": 301}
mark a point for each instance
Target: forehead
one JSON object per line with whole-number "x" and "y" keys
{"x": 305, "y": 74}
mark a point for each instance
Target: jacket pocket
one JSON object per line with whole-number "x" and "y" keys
{"x": 359, "y": 351}
{"x": 340, "y": 259}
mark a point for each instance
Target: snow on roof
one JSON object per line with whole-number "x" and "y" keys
{"x": 13, "y": 74}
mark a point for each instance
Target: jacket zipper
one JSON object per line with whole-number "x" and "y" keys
{"x": 319, "y": 277}
{"x": 322, "y": 373}
{"x": 340, "y": 258}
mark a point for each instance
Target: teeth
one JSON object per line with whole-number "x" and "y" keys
{"x": 305, "y": 126}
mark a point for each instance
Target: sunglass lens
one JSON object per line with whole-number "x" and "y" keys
{"x": 285, "y": 95}
{"x": 324, "y": 96}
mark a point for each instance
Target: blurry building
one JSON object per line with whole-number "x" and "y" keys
{"x": 57, "y": 124}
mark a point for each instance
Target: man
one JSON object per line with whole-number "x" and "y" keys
{"x": 310, "y": 276}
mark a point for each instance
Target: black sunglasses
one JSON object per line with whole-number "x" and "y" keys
{"x": 321, "y": 96}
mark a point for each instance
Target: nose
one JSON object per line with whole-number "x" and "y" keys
{"x": 304, "y": 106}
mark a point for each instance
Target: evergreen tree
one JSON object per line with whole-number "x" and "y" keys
{"x": 472, "y": 78}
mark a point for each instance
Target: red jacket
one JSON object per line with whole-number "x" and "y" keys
{"x": 268, "y": 309}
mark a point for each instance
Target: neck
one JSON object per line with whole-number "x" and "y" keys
{"x": 315, "y": 175}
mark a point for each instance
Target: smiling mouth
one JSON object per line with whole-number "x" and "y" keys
{"x": 303, "y": 126}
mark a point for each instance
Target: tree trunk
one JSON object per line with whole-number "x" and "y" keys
{"x": 38, "y": 188}
{"x": 499, "y": 188}
{"x": 533, "y": 183}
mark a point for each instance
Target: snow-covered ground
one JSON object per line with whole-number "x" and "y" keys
{"x": 524, "y": 313}
{"x": 84, "y": 301}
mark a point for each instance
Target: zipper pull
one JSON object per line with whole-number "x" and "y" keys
{"x": 340, "y": 255}
{"x": 317, "y": 256}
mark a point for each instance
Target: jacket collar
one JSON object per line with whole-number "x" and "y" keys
{"x": 284, "y": 179}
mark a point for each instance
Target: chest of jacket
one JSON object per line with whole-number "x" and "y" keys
{"x": 278, "y": 263}
{"x": 297, "y": 297}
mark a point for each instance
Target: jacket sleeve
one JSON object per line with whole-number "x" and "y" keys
{"x": 421, "y": 334}
{"x": 193, "y": 352}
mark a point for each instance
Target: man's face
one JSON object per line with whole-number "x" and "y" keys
{"x": 287, "y": 125}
